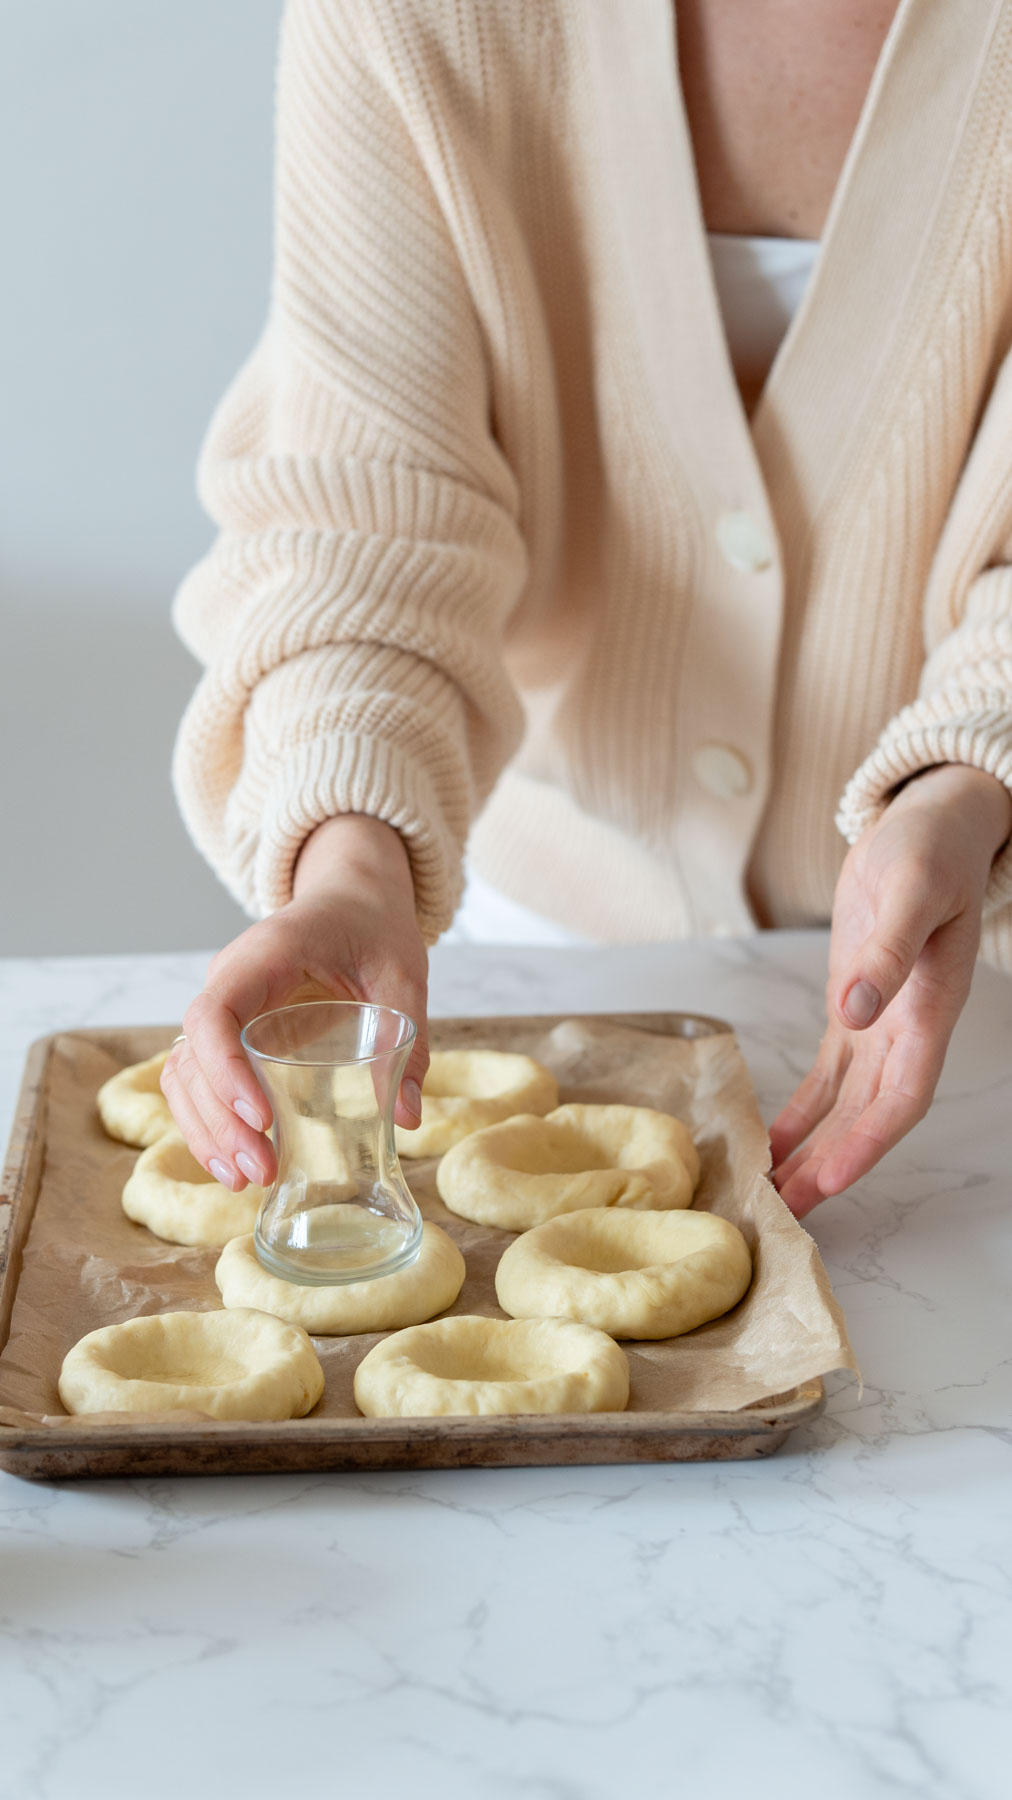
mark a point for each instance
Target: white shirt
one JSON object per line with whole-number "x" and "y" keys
{"x": 760, "y": 285}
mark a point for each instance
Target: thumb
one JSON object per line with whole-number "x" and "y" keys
{"x": 412, "y": 999}
{"x": 409, "y": 1101}
{"x": 884, "y": 961}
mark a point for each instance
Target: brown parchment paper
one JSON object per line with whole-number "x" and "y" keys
{"x": 85, "y": 1264}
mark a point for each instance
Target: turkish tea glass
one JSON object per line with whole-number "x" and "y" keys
{"x": 340, "y": 1209}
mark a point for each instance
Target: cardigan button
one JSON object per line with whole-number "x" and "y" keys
{"x": 744, "y": 543}
{"x": 723, "y": 772}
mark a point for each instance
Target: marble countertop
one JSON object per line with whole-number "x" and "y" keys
{"x": 833, "y": 1619}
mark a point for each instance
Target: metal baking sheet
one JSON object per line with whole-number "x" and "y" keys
{"x": 65, "y": 1447}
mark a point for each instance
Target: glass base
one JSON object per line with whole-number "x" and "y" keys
{"x": 328, "y": 1246}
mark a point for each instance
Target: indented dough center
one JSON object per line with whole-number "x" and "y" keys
{"x": 483, "y": 1362}
{"x": 605, "y": 1259}
{"x": 179, "y": 1164}
{"x": 571, "y": 1154}
{"x": 122, "y": 1360}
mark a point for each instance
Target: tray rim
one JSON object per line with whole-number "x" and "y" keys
{"x": 59, "y": 1450}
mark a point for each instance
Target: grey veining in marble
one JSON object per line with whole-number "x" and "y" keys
{"x": 834, "y": 1620}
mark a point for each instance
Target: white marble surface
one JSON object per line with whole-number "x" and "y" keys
{"x": 834, "y": 1619}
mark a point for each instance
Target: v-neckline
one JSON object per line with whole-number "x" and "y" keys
{"x": 932, "y": 53}
{"x": 839, "y": 198}
{"x": 829, "y": 366}
{"x": 932, "y": 48}
{"x": 836, "y": 211}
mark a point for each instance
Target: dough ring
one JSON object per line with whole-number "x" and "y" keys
{"x": 526, "y": 1170}
{"x": 471, "y": 1365}
{"x": 427, "y": 1287}
{"x": 231, "y": 1365}
{"x": 632, "y": 1274}
{"x": 131, "y": 1104}
{"x": 464, "y": 1090}
{"x": 174, "y": 1197}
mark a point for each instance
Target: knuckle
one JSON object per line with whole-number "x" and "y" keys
{"x": 199, "y": 1142}
{"x": 412, "y": 996}
{"x": 218, "y": 965}
{"x": 911, "y": 1106}
{"x": 210, "y": 1023}
{"x": 896, "y": 954}
{"x": 220, "y": 1089}
{"x": 822, "y": 1078}
{"x": 199, "y": 1011}
{"x": 831, "y": 1062}
{"x": 237, "y": 951}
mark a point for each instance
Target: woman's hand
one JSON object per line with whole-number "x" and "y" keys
{"x": 906, "y": 930}
{"x": 350, "y": 933}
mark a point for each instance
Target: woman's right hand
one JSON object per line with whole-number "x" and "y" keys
{"x": 349, "y": 933}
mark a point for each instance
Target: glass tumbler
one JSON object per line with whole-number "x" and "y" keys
{"x": 340, "y": 1209}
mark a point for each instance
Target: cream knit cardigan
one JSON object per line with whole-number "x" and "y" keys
{"x": 487, "y": 495}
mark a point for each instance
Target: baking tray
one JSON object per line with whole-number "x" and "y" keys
{"x": 164, "y": 1446}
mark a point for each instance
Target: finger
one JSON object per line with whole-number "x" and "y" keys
{"x": 885, "y": 1097}
{"x": 801, "y": 1192}
{"x": 212, "y": 1034}
{"x": 199, "y": 1138}
{"x": 933, "y": 1000}
{"x": 813, "y": 1099}
{"x": 798, "y": 1179}
{"x": 904, "y": 921}
{"x": 857, "y": 1089}
{"x": 245, "y": 1154}
{"x": 408, "y": 1111}
{"x": 170, "y": 1080}
{"x": 401, "y": 984}
{"x": 413, "y": 1001}
{"x": 909, "y": 1079}
{"x": 242, "y": 983}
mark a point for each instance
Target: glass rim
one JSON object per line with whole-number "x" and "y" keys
{"x": 330, "y": 1062}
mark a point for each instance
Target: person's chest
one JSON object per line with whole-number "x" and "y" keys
{"x": 773, "y": 91}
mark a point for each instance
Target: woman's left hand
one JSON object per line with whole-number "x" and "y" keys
{"x": 906, "y": 930}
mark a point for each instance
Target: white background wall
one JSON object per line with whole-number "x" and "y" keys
{"x": 135, "y": 149}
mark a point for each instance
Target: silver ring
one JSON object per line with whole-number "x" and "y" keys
{"x": 181, "y": 1039}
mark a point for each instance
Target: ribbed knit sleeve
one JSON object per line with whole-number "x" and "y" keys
{"x": 350, "y": 614}
{"x": 963, "y": 714}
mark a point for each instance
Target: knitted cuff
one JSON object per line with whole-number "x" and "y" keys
{"x": 973, "y": 726}
{"x": 345, "y": 774}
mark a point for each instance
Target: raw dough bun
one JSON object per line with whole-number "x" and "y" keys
{"x": 464, "y": 1090}
{"x": 131, "y": 1105}
{"x": 633, "y": 1274}
{"x": 527, "y": 1170}
{"x": 471, "y": 1365}
{"x": 231, "y": 1365}
{"x": 428, "y": 1286}
{"x": 175, "y": 1198}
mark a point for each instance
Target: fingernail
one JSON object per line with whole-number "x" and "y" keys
{"x": 248, "y": 1167}
{"x": 248, "y": 1117}
{"x": 222, "y": 1173}
{"x": 411, "y": 1094}
{"x": 862, "y": 1003}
